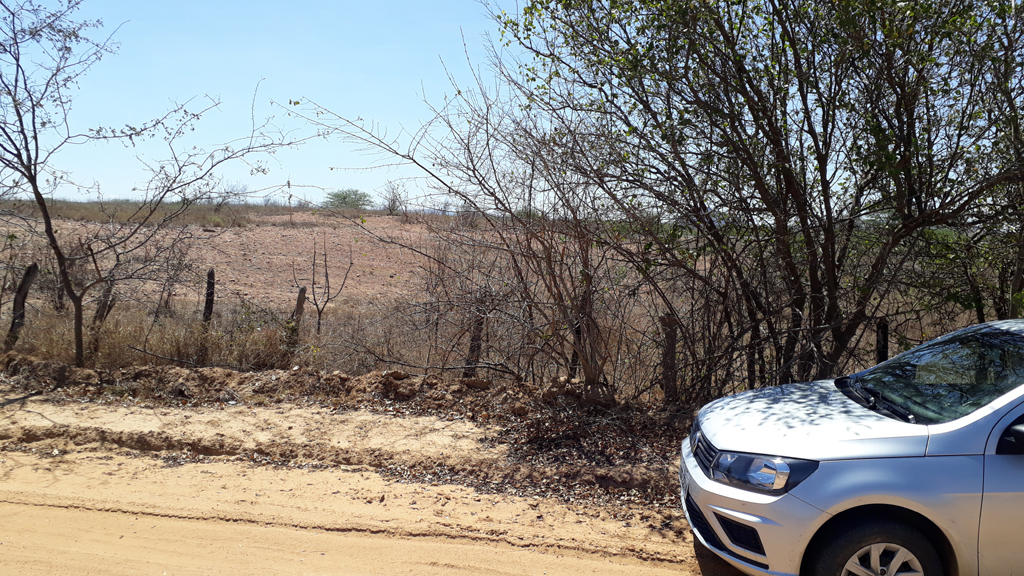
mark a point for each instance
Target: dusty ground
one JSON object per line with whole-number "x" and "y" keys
{"x": 90, "y": 488}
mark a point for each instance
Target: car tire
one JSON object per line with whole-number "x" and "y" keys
{"x": 875, "y": 546}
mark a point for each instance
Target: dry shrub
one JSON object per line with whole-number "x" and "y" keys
{"x": 348, "y": 339}
{"x": 239, "y": 338}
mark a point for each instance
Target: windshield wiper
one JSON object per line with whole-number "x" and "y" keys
{"x": 849, "y": 385}
{"x": 890, "y": 406}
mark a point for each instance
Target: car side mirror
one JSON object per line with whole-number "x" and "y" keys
{"x": 1012, "y": 440}
{"x": 1017, "y": 433}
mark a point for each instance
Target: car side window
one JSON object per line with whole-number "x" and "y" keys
{"x": 1011, "y": 439}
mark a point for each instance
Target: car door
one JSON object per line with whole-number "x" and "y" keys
{"x": 1000, "y": 548}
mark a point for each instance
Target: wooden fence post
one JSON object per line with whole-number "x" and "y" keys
{"x": 208, "y": 307}
{"x": 18, "y": 321}
{"x": 204, "y": 346}
{"x": 669, "y": 377}
{"x": 476, "y": 339}
{"x": 881, "y": 340}
{"x": 574, "y": 360}
{"x": 292, "y": 336}
{"x": 103, "y": 308}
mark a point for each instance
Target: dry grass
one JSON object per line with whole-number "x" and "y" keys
{"x": 242, "y": 335}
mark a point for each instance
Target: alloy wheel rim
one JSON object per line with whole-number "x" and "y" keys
{"x": 883, "y": 559}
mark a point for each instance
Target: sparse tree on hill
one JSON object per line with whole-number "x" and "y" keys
{"x": 349, "y": 198}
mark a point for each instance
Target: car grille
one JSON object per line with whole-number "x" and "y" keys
{"x": 741, "y": 535}
{"x": 700, "y": 524}
{"x": 703, "y": 450}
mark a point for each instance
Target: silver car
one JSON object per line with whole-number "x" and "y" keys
{"x": 914, "y": 466}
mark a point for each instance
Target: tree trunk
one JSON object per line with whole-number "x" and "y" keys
{"x": 18, "y": 311}
{"x": 977, "y": 300}
{"x": 58, "y": 301}
{"x": 62, "y": 267}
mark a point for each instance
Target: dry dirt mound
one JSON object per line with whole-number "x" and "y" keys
{"x": 523, "y": 439}
{"x": 297, "y": 436}
{"x": 198, "y": 386}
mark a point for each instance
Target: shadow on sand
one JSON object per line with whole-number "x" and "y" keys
{"x": 710, "y": 564}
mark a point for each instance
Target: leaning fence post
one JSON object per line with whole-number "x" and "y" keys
{"x": 103, "y": 307}
{"x": 292, "y": 337}
{"x": 19, "y": 306}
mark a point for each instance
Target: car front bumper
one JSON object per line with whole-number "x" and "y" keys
{"x": 759, "y": 534}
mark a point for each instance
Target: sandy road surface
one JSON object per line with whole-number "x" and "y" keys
{"x": 66, "y": 516}
{"x": 62, "y": 541}
{"x": 75, "y": 500}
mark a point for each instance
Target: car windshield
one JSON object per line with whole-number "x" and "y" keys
{"x": 952, "y": 376}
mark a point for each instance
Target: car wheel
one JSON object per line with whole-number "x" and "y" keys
{"x": 878, "y": 548}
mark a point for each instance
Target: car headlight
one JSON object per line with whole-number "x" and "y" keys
{"x": 771, "y": 474}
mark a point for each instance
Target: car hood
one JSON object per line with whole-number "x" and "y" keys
{"x": 815, "y": 421}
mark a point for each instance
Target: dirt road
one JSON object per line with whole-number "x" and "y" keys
{"x": 94, "y": 515}
{"x": 95, "y": 489}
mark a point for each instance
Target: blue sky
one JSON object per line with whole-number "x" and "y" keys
{"x": 375, "y": 60}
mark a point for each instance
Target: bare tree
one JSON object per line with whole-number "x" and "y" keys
{"x": 396, "y": 198}
{"x": 43, "y": 52}
{"x": 321, "y": 294}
